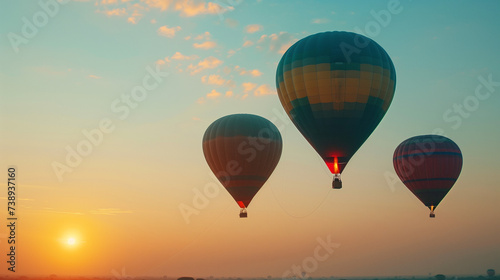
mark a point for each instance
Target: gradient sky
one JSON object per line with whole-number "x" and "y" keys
{"x": 121, "y": 203}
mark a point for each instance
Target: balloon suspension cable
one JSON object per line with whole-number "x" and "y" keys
{"x": 243, "y": 213}
{"x": 432, "y": 215}
{"x": 337, "y": 182}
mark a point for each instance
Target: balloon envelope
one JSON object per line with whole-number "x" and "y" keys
{"x": 336, "y": 87}
{"x": 242, "y": 151}
{"x": 429, "y": 165}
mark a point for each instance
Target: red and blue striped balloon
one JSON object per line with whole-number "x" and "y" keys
{"x": 242, "y": 151}
{"x": 429, "y": 166}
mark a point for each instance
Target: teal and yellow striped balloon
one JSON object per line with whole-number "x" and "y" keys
{"x": 336, "y": 87}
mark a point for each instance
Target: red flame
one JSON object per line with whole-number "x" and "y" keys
{"x": 335, "y": 165}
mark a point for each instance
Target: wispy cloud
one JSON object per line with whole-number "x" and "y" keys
{"x": 205, "y": 45}
{"x": 52, "y": 210}
{"x": 204, "y": 36}
{"x": 213, "y": 94}
{"x": 95, "y": 77}
{"x": 230, "y": 53}
{"x": 231, "y": 22}
{"x": 207, "y": 63}
{"x": 190, "y": 8}
{"x": 320, "y": 21}
{"x": 168, "y": 32}
{"x": 276, "y": 42}
{"x": 187, "y": 8}
{"x": 180, "y": 56}
{"x": 243, "y": 71}
{"x": 247, "y": 87}
{"x": 213, "y": 80}
{"x": 252, "y": 28}
{"x": 264, "y": 90}
{"x": 247, "y": 43}
{"x": 115, "y": 12}
{"x": 20, "y": 199}
{"x": 107, "y": 2}
{"x": 135, "y": 17}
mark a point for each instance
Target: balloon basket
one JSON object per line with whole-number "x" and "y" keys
{"x": 337, "y": 183}
{"x": 243, "y": 213}
{"x": 432, "y": 215}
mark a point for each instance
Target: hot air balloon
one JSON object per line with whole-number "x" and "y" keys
{"x": 490, "y": 272}
{"x": 336, "y": 87}
{"x": 242, "y": 151}
{"x": 429, "y": 165}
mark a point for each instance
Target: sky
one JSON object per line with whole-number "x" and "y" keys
{"x": 71, "y": 71}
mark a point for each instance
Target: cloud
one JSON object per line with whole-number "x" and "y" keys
{"x": 229, "y": 93}
{"x": 213, "y": 94}
{"x": 160, "y": 4}
{"x": 255, "y": 73}
{"x": 107, "y": 2}
{"x": 213, "y": 80}
{"x": 231, "y": 22}
{"x": 320, "y": 21}
{"x": 116, "y": 12}
{"x": 188, "y": 8}
{"x": 247, "y": 87}
{"x": 52, "y": 210}
{"x": 207, "y": 63}
{"x": 243, "y": 71}
{"x": 180, "y": 56}
{"x": 276, "y": 42}
{"x": 263, "y": 90}
{"x": 200, "y": 100}
{"x": 153, "y": 21}
{"x": 135, "y": 17}
{"x": 247, "y": 43}
{"x": 252, "y": 28}
{"x": 168, "y": 32}
{"x": 160, "y": 62}
{"x": 94, "y": 77}
{"x": 230, "y": 53}
{"x": 205, "y": 45}
{"x": 204, "y": 36}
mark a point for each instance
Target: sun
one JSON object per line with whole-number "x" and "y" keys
{"x": 71, "y": 241}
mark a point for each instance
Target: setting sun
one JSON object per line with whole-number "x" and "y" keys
{"x": 71, "y": 241}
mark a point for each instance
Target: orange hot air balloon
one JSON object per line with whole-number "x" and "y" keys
{"x": 242, "y": 151}
{"x": 336, "y": 87}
